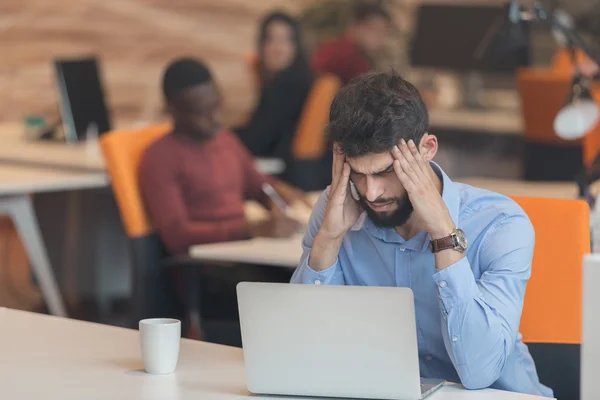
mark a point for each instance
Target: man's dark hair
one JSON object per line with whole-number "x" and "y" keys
{"x": 369, "y": 9}
{"x": 182, "y": 74}
{"x": 374, "y": 111}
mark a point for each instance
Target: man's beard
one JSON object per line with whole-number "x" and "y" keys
{"x": 395, "y": 218}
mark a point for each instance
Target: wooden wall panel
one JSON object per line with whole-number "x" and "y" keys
{"x": 135, "y": 40}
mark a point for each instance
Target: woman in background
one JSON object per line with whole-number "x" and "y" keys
{"x": 285, "y": 80}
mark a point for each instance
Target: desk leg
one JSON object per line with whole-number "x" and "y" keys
{"x": 20, "y": 209}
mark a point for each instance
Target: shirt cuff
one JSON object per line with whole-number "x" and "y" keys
{"x": 456, "y": 284}
{"x": 307, "y": 275}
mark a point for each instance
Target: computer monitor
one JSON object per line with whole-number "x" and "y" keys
{"x": 451, "y": 36}
{"x": 81, "y": 98}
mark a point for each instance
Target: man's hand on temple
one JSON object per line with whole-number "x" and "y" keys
{"x": 414, "y": 173}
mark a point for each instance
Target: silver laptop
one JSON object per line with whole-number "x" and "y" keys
{"x": 331, "y": 341}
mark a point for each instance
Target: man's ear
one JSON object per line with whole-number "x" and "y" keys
{"x": 428, "y": 146}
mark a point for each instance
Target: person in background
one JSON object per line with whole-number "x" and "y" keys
{"x": 285, "y": 80}
{"x": 195, "y": 180}
{"x": 352, "y": 54}
{"x": 392, "y": 217}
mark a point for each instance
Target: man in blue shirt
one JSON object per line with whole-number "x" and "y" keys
{"x": 392, "y": 217}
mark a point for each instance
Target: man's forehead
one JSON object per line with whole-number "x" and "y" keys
{"x": 371, "y": 163}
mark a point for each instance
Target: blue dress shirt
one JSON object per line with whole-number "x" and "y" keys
{"x": 467, "y": 314}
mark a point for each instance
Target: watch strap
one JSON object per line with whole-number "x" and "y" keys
{"x": 444, "y": 243}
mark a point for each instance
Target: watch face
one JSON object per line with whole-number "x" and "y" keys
{"x": 461, "y": 239}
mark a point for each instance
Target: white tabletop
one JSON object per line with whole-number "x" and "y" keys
{"x": 487, "y": 121}
{"x": 263, "y": 251}
{"x": 54, "y": 358}
{"x": 15, "y": 147}
{"x": 287, "y": 252}
{"x": 21, "y": 180}
{"x": 508, "y": 187}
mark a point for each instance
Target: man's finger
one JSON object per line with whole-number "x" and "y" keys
{"x": 306, "y": 201}
{"x": 414, "y": 166}
{"x": 406, "y": 181}
{"x": 418, "y": 157}
{"x": 408, "y": 169}
{"x": 341, "y": 190}
{"x": 338, "y": 164}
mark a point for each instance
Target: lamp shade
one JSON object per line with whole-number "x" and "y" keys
{"x": 580, "y": 113}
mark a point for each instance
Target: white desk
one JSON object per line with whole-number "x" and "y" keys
{"x": 56, "y": 154}
{"x": 261, "y": 251}
{"x": 492, "y": 121}
{"x": 559, "y": 190}
{"x": 287, "y": 252}
{"x": 16, "y": 185}
{"x": 264, "y": 251}
{"x": 55, "y": 358}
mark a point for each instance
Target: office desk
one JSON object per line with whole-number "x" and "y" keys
{"x": 560, "y": 190}
{"x": 261, "y": 251}
{"x": 287, "y": 252}
{"x": 487, "y": 121}
{"x": 16, "y": 185}
{"x": 80, "y": 156}
{"x": 56, "y": 358}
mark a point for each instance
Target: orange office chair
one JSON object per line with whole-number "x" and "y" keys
{"x": 551, "y": 319}
{"x": 152, "y": 296}
{"x": 310, "y": 141}
{"x": 543, "y": 93}
{"x": 310, "y": 164}
{"x": 562, "y": 61}
{"x": 251, "y": 61}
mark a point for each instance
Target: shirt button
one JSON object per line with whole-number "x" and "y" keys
{"x": 454, "y": 338}
{"x": 428, "y": 358}
{"x": 402, "y": 249}
{"x": 317, "y": 282}
{"x": 443, "y": 284}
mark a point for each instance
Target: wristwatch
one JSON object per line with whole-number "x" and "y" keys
{"x": 457, "y": 241}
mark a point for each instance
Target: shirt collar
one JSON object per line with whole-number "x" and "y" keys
{"x": 419, "y": 242}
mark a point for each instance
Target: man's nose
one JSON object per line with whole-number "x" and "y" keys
{"x": 374, "y": 188}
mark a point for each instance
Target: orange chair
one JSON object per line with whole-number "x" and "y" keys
{"x": 552, "y": 314}
{"x": 251, "y": 60}
{"x": 543, "y": 93}
{"x": 310, "y": 140}
{"x": 562, "y": 61}
{"x": 152, "y": 296}
{"x": 123, "y": 151}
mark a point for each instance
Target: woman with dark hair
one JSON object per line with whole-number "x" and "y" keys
{"x": 285, "y": 79}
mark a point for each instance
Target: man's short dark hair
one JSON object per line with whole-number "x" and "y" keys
{"x": 372, "y": 113}
{"x": 369, "y": 9}
{"x": 182, "y": 74}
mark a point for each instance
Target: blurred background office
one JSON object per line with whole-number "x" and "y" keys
{"x": 72, "y": 71}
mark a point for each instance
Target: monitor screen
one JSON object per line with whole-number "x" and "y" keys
{"x": 452, "y": 36}
{"x": 82, "y": 102}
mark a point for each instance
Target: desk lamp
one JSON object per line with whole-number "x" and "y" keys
{"x": 580, "y": 113}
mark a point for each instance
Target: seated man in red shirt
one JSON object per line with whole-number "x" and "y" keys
{"x": 351, "y": 54}
{"x": 196, "y": 179}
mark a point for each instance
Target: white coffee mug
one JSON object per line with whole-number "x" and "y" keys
{"x": 160, "y": 339}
